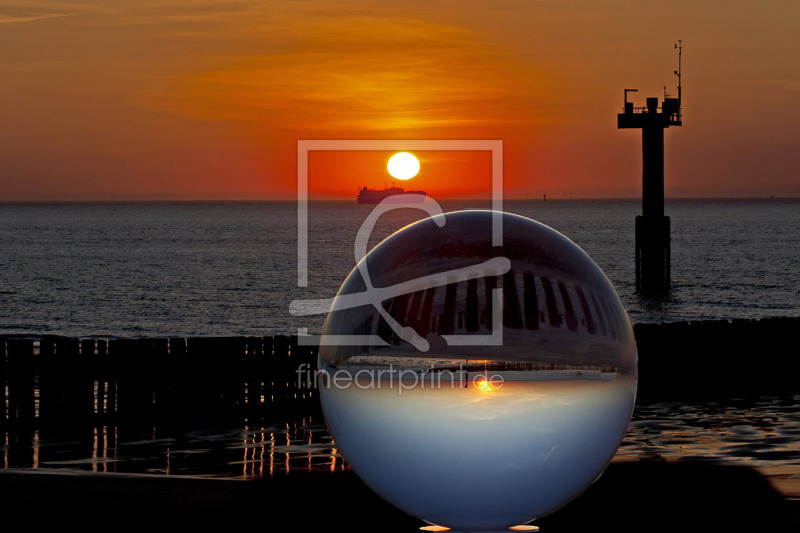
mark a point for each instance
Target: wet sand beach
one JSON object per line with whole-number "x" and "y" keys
{"x": 645, "y": 496}
{"x": 693, "y": 459}
{"x": 710, "y": 467}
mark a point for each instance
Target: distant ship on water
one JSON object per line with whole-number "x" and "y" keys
{"x": 374, "y": 196}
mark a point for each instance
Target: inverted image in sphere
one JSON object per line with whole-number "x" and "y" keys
{"x": 484, "y": 372}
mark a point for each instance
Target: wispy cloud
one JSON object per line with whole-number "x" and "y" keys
{"x": 371, "y": 73}
{"x": 18, "y": 18}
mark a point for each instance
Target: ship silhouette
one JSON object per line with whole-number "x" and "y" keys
{"x": 374, "y": 196}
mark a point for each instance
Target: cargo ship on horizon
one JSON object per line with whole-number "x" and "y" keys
{"x": 374, "y": 196}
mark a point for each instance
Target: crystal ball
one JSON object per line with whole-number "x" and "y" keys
{"x": 477, "y": 370}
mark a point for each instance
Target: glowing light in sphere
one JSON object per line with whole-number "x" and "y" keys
{"x": 517, "y": 361}
{"x": 403, "y": 166}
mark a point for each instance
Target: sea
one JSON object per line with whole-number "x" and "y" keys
{"x": 225, "y": 269}
{"x": 200, "y": 269}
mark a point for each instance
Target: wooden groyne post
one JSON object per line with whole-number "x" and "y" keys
{"x": 63, "y": 382}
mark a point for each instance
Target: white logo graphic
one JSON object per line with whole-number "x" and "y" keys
{"x": 373, "y": 295}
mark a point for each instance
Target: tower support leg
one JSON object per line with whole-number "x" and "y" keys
{"x": 652, "y": 255}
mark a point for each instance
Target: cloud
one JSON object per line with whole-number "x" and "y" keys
{"x": 369, "y": 73}
{"x": 17, "y": 18}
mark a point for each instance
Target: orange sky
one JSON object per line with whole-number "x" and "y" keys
{"x": 112, "y": 100}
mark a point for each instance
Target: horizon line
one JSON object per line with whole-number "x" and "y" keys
{"x": 351, "y": 200}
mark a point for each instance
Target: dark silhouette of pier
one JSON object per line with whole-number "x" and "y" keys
{"x": 67, "y": 383}
{"x": 70, "y": 383}
{"x": 717, "y": 359}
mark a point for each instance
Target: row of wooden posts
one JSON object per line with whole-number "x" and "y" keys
{"x": 63, "y": 381}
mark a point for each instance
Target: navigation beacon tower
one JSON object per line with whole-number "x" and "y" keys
{"x": 652, "y": 227}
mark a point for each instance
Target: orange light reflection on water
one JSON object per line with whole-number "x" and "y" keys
{"x": 271, "y": 453}
{"x": 290, "y": 447}
{"x": 256, "y": 451}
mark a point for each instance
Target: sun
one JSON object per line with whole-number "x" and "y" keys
{"x": 403, "y": 166}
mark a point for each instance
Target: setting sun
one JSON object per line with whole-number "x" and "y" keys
{"x": 403, "y": 166}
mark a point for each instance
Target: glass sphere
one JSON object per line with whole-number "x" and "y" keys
{"x": 476, "y": 382}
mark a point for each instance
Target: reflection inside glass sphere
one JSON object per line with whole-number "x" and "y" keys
{"x": 490, "y": 384}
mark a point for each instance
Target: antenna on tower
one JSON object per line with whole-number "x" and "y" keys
{"x": 679, "y": 46}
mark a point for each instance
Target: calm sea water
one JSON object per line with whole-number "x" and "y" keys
{"x": 184, "y": 269}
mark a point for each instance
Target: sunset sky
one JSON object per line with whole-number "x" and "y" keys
{"x": 113, "y": 100}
